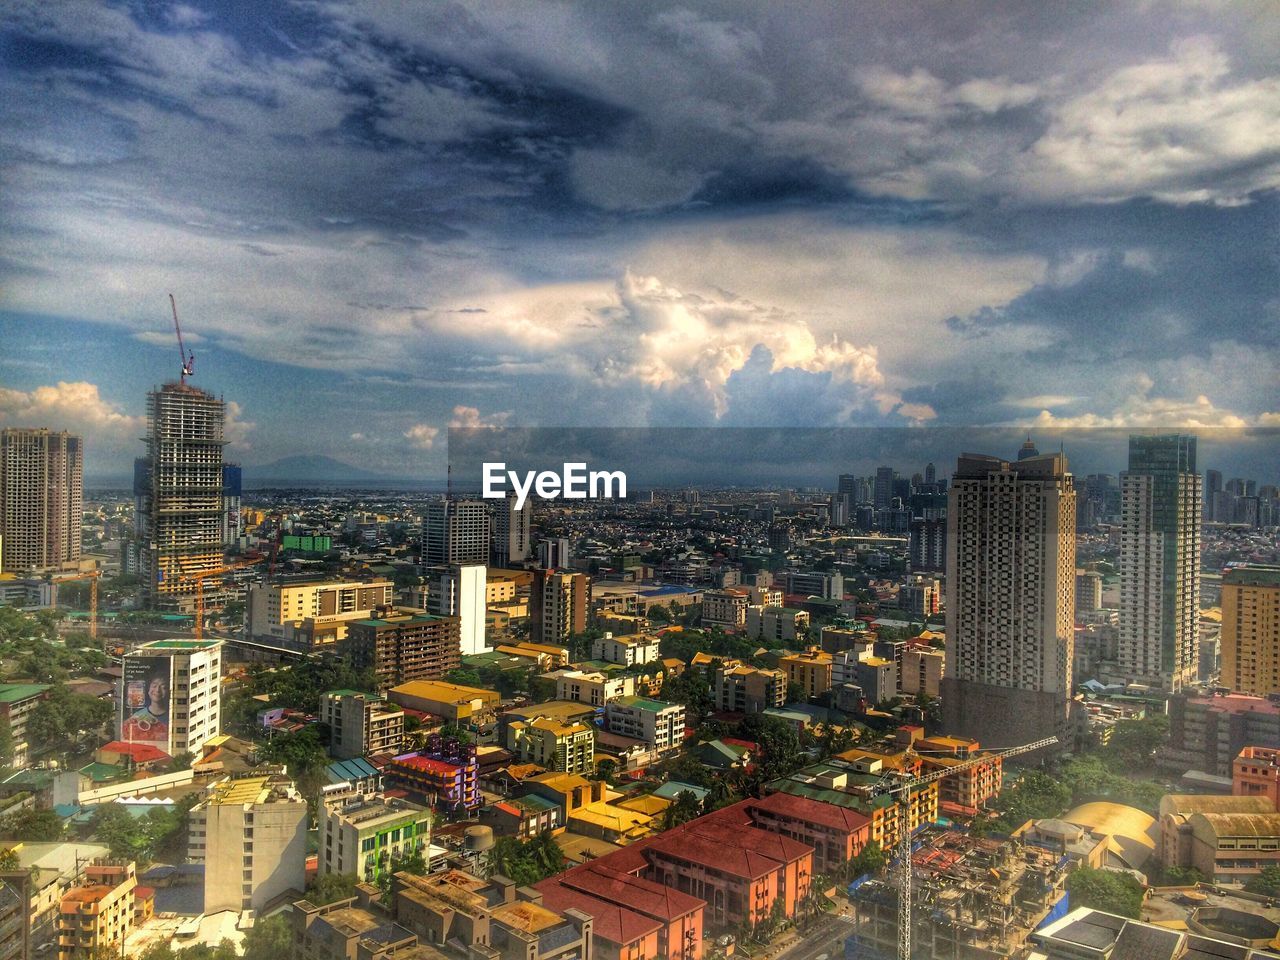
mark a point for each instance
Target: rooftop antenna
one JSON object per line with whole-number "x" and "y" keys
{"x": 188, "y": 359}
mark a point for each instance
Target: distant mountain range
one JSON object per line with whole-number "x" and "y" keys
{"x": 325, "y": 471}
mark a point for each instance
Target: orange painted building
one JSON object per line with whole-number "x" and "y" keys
{"x": 679, "y": 915}
{"x": 1256, "y": 773}
{"x": 836, "y": 834}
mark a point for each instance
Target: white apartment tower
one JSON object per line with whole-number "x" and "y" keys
{"x": 455, "y": 531}
{"x": 1010, "y": 598}
{"x": 179, "y": 487}
{"x": 41, "y": 500}
{"x": 171, "y": 694}
{"x": 1160, "y": 562}
{"x": 460, "y": 591}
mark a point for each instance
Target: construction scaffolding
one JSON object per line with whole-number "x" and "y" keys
{"x": 974, "y": 898}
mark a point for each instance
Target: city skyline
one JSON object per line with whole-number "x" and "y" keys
{"x": 406, "y": 220}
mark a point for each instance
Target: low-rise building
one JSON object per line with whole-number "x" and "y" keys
{"x": 628, "y": 651}
{"x": 743, "y": 689}
{"x": 403, "y": 645}
{"x": 659, "y": 724}
{"x": 810, "y": 670}
{"x": 592, "y": 687}
{"x": 452, "y": 702}
{"x": 17, "y": 702}
{"x": 553, "y": 744}
{"x": 727, "y": 607}
{"x": 445, "y": 774}
{"x": 636, "y": 918}
{"x": 96, "y": 917}
{"x": 967, "y": 790}
{"x": 492, "y": 919}
{"x": 313, "y": 614}
{"x": 776, "y": 624}
{"x": 355, "y": 928}
{"x": 365, "y": 835}
{"x": 1256, "y": 773}
{"x": 1228, "y": 839}
{"x": 922, "y": 671}
{"x": 361, "y": 724}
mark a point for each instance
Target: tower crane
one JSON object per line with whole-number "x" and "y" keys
{"x": 902, "y": 792}
{"x": 92, "y": 576}
{"x": 188, "y": 359}
{"x": 199, "y": 578}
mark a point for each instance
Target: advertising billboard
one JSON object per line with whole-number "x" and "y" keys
{"x": 148, "y": 691}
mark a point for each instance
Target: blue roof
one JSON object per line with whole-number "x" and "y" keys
{"x": 667, "y": 589}
{"x": 356, "y": 769}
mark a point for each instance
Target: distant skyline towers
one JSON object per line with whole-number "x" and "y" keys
{"x": 179, "y": 528}
{"x": 455, "y": 532}
{"x": 510, "y": 544}
{"x": 882, "y": 494}
{"x": 1010, "y": 598}
{"x": 1161, "y": 506}
{"x": 41, "y": 500}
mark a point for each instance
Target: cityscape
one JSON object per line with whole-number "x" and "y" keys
{"x": 639, "y": 483}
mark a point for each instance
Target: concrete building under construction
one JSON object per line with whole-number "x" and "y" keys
{"x": 975, "y": 899}
{"x": 178, "y": 489}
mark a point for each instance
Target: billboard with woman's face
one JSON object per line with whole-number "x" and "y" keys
{"x": 148, "y": 686}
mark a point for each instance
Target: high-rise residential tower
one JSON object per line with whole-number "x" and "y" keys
{"x": 455, "y": 531}
{"x": 1160, "y": 562}
{"x": 510, "y": 544}
{"x": 179, "y": 487}
{"x": 1010, "y": 599}
{"x": 557, "y": 605}
{"x": 1251, "y": 630}
{"x": 41, "y": 500}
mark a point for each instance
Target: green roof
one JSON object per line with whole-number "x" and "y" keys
{"x": 837, "y": 797}
{"x": 644, "y": 703}
{"x": 345, "y": 693}
{"x": 102, "y": 772}
{"x": 13, "y": 692}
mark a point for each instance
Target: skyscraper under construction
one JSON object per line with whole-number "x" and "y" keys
{"x": 179, "y": 495}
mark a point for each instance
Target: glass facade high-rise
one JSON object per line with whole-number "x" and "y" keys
{"x": 1160, "y": 497}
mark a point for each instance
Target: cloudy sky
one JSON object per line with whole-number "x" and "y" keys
{"x": 383, "y": 218}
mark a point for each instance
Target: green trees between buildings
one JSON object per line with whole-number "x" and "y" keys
{"x": 269, "y": 939}
{"x": 157, "y": 835}
{"x": 683, "y": 808}
{"x": 1106, "y": 890}
{"x": 68, "y": 723}
{"x": 329, "y": 887}
{"x": 527, "y": 861}
{"x": 1266, "y": 883}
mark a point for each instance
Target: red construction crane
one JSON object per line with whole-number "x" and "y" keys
{"x": 188, "y": 359}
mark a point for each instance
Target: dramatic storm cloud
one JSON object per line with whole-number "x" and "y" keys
{"x": 383, "y": 219}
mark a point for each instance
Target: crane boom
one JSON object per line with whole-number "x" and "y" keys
{"x": 188, "y": 360}
{"x": 902, "y": 793}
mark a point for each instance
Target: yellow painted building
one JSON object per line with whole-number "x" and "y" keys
{"x": 1251, "y": 630}
{"x": 810, "y": 669}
